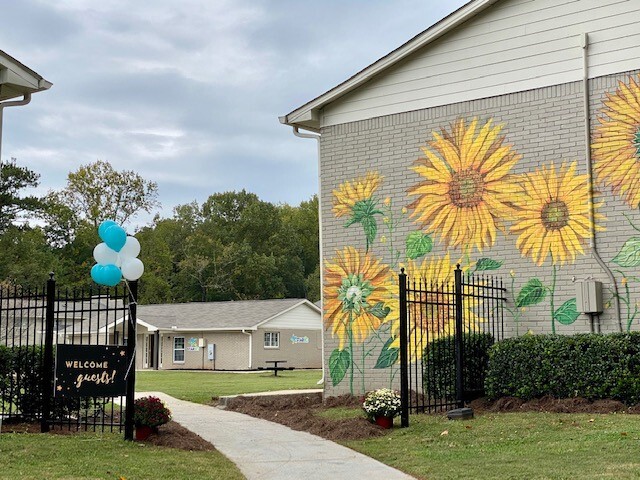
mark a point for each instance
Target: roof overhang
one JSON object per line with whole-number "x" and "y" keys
{"x": 308, "y": 115}
{"x": 18, "y": 80}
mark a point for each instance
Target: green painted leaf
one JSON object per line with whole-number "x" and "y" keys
{"x": 388, "y": 356}
{"x": 339, "y": 363}
{"x": 567, "y": 313}
{"x": 629, "y": 255}
{"x": 487, "y": 264}
{"x": 418, "y": 244}
{"x": 370, "y": 229}
{"x": 379, "y": 310}
{"x": 533, "y": 292}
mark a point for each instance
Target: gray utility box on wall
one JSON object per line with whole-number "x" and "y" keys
{"x": 589, "y": 296}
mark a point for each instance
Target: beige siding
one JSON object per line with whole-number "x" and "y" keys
{"x": 513, "y": 46}
{"x": 300, "y": 317}
{"x": 298, "y": 355}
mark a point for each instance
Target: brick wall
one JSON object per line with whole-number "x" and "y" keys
{"x": 544, "y": 127}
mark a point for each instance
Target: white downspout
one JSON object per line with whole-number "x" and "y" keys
{"x": 15, "y": 103}
{"x": 587, "y": 140}
{"x": 297, "y": 133}
{"x": 250, "y": 347}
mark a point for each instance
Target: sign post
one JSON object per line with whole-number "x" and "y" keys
{"x": 131, "y": 357}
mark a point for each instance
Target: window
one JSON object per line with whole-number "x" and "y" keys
{"x": 271, "y": 339}
{"x": 178, "y": 350}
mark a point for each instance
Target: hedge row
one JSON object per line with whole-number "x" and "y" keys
{"x": 584, "y": 365}
{"x": 21, "y": 379}
{"x": 440, "y": 365}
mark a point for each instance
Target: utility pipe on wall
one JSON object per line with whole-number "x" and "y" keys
{"x": 250, "y": 347}
{"x": 15, "y": 103}
{"x": 587, "y": 140}
{"x": 297, "y": 133}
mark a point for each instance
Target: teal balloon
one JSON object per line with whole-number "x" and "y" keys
{"x": 115, "y": 237}
{"x": 103, "y": 228}
{"x": 108, "y": 275}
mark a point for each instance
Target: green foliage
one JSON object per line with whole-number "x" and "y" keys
{"x": 21, "y": 368}
{"x": 567, "y": 313}
{"x": 388, "y": 356}
{"x": 13, "y": 179}
{"x": 439, "y": 362}
{"x": 585, "y": 365}
{"x": 339, "y": 363}
{"x": 150, "y": 412}
{"x": 533, "y": 292}
{"x": 418, "y": 244}
{"x": 629, "y": 255}
{"x": 487, "y": 264}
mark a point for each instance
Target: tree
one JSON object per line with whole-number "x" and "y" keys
{"x": 97, "y": 192}
{"x": 13, "y": 179}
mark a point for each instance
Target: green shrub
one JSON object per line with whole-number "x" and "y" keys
{"x": 440, "y": 365}
{"x": 6, "y": 366}
{"x": 27, "y": 371}
{"x": 584, "y": 365}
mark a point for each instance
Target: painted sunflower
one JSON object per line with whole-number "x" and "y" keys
{"x": 466, "y": 186}
{"x": 349, "y": 195}
{"x": 432, "y": 311}
{"x": 552, "y": 214}
{"x": 616, "y": 146}
{"x": 358, "y": 291}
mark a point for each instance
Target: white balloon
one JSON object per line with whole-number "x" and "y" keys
{"x": 131, "y": 248}
{"x": 132, "y": 268}
{"x": 104, "y": 255}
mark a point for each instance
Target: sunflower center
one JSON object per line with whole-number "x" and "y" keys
{"x": 555, "y": 215}
{"x": 466, "y": 189}
{"x": 353, "y": 293}
{"x": 636, "y": 143}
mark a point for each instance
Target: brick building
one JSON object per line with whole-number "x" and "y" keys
{"x": 504, "y": 138}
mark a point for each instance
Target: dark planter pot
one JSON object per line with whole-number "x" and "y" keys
{"x": 142, "y": 432}
{"x": 384, "y": 422}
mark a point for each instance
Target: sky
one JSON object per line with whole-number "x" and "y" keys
{"x": 187, "y": 93}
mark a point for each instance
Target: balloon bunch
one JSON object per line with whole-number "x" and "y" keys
{"x": 116, "y": 257}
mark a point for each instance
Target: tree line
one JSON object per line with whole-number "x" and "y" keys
{"x": 232, "y": 246}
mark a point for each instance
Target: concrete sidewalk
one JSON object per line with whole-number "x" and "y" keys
{"x": 265, "y": 450}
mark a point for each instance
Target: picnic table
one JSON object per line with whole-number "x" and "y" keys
{"x": 274, "y": 366}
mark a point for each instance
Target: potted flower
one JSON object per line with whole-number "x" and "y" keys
{"x": 148, "y": 414}
{"x": 382, "y": 405}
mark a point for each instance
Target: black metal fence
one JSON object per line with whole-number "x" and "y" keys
{"x": 447, "y": 328}
{"x": 33, "y": 322}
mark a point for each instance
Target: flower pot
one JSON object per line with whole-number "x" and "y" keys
{"x": 384, "y": 422}
{"x": 143, "y": 432}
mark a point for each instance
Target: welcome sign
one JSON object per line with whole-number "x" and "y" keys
{"x": 90, "y": 371}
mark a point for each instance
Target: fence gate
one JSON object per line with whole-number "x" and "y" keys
{"x": 444, "y": 324}
{"x": 34, "y": 325}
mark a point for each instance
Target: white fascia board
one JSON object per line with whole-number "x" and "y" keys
{"x": 307, "y": 116}
{"x": 193, "y": 329}
{"x": 20, "y": 77}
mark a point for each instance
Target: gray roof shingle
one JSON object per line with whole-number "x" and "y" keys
{"x": 215, "y": 315}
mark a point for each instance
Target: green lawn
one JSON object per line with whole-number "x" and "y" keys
{"x": 108, "y": 456}
{"x": 199, "y": 387}
{"x": 512, "y": 446}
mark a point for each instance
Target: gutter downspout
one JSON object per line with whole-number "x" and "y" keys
{"x": 584, "y": 40}
{"x": 250, "y": 347}
{"x": 297, "y": 133}
{"x": 15, "y": 103}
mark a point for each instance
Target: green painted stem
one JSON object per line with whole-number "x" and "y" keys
{"x": 553, "y": 311}
{"x": 350, "y": 334}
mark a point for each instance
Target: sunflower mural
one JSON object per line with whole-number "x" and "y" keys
{"x": 358, "y": 290}
{"x": 437, "y": 318}
{"x": 552, "y": 220}
{"x": 356, "y": 200}
{"x": 466, "y": 186}
{"x": 616, "y": 155}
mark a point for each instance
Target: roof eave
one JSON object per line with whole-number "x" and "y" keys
{"x": 16, "y": 79}
{"x": 311, "y": 109}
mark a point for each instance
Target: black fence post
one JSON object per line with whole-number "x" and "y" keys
{"x": 459, "y": 345}
{"x": 47, "y": 361}
{"x": 404, "y": 360}
{"x": 131, "y": 358}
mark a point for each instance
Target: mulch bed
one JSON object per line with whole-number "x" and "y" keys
{"x": 300, "y": 412}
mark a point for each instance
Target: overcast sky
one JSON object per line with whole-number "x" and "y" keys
{"x": 188, "y": 92}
